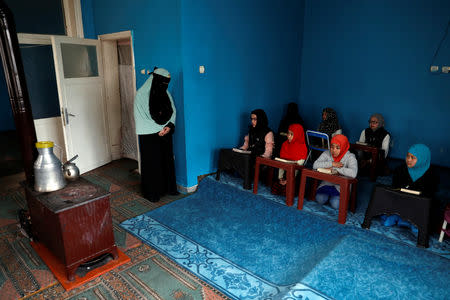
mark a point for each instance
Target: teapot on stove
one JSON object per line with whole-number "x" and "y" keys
{"x": 70, "y": 170}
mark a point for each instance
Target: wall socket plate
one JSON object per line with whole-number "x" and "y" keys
{"x": 445, "y": 69}
{"x": 434, "y": 68}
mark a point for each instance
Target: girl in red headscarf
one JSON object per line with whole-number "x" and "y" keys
{"x": 338, "y": 159}
{"x": 293, "y": 149}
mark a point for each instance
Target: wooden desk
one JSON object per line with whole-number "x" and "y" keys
{"x": 375, "y": 152}
{"x": 74, "y": 223}
{"x": 290, "y": 175}
{"x": 414, "y": 208}
{"x": 239, "y": 162}
{"x": 344, "y": 183}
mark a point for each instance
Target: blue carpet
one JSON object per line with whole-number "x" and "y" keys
{"x": 365, "y": 187}
{"x": 253, "y": 248}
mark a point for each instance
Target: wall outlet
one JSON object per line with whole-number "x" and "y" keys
{"x": 445, "y": 69}
{"x": 434, "y": 68}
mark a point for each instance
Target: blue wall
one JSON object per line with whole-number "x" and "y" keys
{"x": 371, "y": 56}
{"x": 251, "y": 53}
{"x": 155, "y": 27}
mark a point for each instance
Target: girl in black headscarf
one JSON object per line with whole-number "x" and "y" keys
{"x": 292, "y": 117}
{"x": 330, "y": 124}
{"x": 259, "y": 139}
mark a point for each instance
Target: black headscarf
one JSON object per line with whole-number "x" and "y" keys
{"x": 159, "y": 103}
{"x": 257, "y": 134}
{"x": 331, "y": 123}
{"x": 292, "y": 117}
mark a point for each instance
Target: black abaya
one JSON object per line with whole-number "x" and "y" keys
{"x": 157, "y": 166}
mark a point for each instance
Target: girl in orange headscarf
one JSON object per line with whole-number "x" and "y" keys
{"x": 293, "y": 149}
{"x": 339, "y": 160}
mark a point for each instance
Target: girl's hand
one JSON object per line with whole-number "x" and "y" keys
{"x": 337, "y": 164}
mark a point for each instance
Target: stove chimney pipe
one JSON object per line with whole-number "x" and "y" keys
{"x": 17, "y": 88}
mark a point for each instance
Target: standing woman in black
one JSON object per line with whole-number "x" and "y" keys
{"x": 154, "y": 113}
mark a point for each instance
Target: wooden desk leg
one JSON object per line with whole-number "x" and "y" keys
{"x": 255, "y": 183}
{"x": 373, "y": 167}
{"x": 290, "y": 186}
{"x": 313, "y": 191}
{"x": 301, "y": 192}
{"x": 353, "y": 198}
{"x": 343, "y": 204}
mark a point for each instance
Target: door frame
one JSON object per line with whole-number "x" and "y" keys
{"x": 109, "y": 41}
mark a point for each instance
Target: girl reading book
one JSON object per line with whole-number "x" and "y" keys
{"x": 415, "y": 175}
{"x": 338, "y": 160}
{"x": 293, "y": 150}
{"x": 259, "y": 140}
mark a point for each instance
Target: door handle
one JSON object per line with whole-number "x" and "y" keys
{"x": 66, "y": 116}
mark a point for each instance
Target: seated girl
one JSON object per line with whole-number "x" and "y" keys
{"x": 259, "y": 140}
{"x": 330, "y": 124}
{"x": 294, "y": 149}
{"x": 415, "y": 175}
{"x": 375, "y": 135}
{"x": 337, "y": 159}
{"x": 292, "y": 117}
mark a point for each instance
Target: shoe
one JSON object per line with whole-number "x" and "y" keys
{"x": 391, "y": 220}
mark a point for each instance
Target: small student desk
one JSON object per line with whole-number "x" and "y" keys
{"x": 290, "y": 175}
{"x": 414, "y": 208}
{"x": 344, "y": 183}
{"x": 375, "y": 154}
{"x": 239, "y": 162}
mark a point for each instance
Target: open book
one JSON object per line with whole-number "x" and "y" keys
{"x": 286, "y": 160}
{"x": 410, "y": 191}
{"x": 241, "y": 151}
{"x": 327, "y": 171}
{"x": 361, "y": 143}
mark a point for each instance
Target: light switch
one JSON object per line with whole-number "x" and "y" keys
{"x": 143, "y": 71}
{"x": 201, "y": 69}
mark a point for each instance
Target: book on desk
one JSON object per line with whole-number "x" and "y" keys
{"x": 241, "y": 151}
{"x": 410, "y": 191}
{"x": 327, "y": 171}
{"x": 286, "y": 160}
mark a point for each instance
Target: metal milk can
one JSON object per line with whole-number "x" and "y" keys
{"x": 48, "y": 175}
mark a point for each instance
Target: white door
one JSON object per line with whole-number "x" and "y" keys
{"x": 79, "y": 75}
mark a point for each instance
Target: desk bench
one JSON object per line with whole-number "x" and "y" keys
{"x": 290, "y": 175}
{"x": 375, "y": 152}
{"x": 345, "y": 184}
